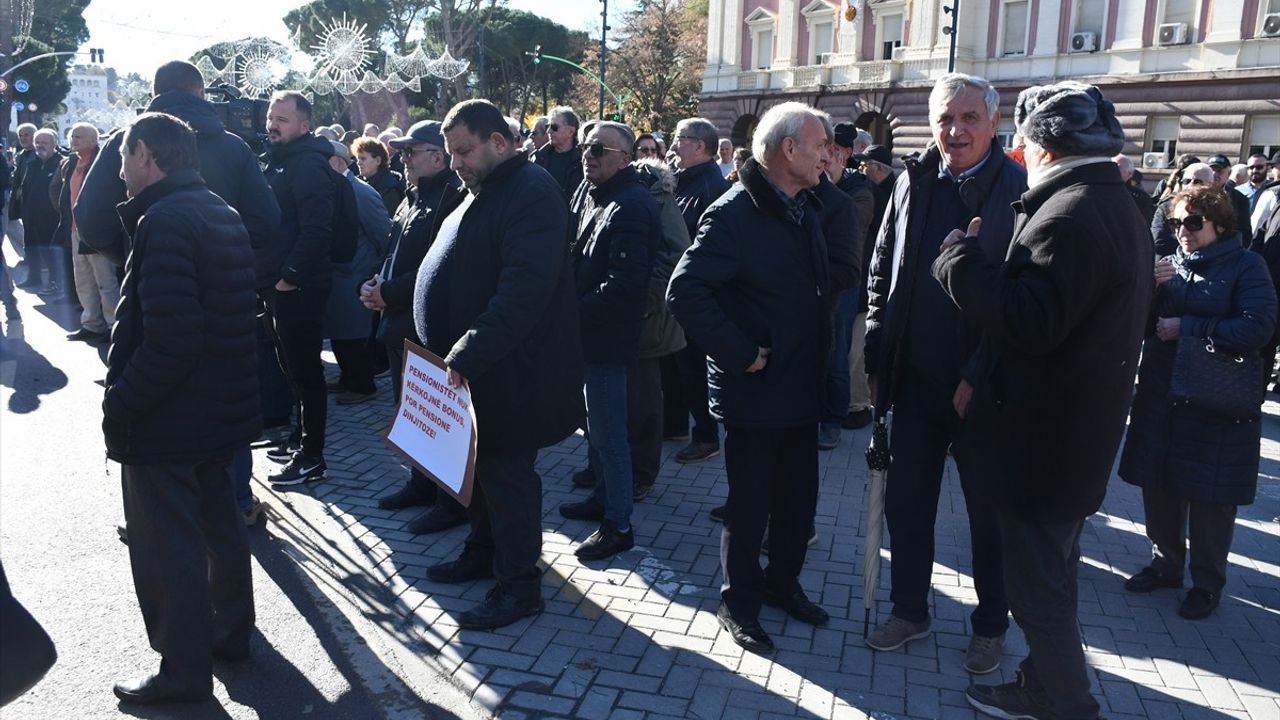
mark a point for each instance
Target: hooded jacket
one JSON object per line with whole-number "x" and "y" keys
{"x": 661, "y": 335}
{"x": 227, "y": 165}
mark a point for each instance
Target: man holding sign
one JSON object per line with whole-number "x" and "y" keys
{"x": 494, "y": 298}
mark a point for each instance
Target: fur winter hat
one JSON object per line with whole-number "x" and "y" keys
{"x": 1069, "y": 118}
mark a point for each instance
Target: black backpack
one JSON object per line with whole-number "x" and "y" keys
{"x": 346, "y": 221}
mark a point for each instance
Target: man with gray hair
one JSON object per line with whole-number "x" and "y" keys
{"x": 538, "y": 134}
{"x": 1065, "y": 313}
{"x": 699, "y": 183}
{"x": 40, "y": 217}
{"x": 725, "y": 157}
{"x": 923, "y": 363}
{"x": 96, "y": 283}
{"x": 560, "y": 155}
{"x": 1145, "y": 206}
{"x": 745, "y": 291}
{"x": 26, "y": 154}
{"x": 618, "y": 235}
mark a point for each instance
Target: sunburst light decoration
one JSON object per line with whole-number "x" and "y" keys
{"x": 23, "y": 13}
{"x": 254, "y": 66}
{"x": 343, "y": 47}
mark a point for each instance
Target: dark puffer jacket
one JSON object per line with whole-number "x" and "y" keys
{"x": 565, "y": 167}
{"x": 1063, "y": 314}
{"x": 227, "y": 165}
{"x": 182, "y": 372}
{"x": 304, "y": 185}
{"x": 755, "y": 277}
{"x": 618, "y": 235}
{"x": 390, "y": 186}
{"x": 1174, "y": 447}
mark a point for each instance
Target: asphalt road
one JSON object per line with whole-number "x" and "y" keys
{"x": 314, "y": 655}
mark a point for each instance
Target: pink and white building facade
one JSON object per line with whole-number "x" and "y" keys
{"x": 1187, "y": 76}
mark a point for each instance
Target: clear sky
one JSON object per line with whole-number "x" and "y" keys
{"x": 138, "y": 35}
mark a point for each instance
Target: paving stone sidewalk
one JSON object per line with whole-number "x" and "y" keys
{"x": 636, "y": 636}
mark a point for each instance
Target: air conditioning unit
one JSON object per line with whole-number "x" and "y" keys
{"x": 1155, "y": 161}
{"x": 1172, "y": 34}
{"x": 1271, "y": 25}
{"x": 1084, "y": 42}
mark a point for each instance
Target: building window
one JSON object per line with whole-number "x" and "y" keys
{"x": 761, "y": 23}
{"x": 1091, "y": 16}
{"x": 1005, "y": 133}
{"x": 890, "y": 34}
{"x": 1264, "y": 135}
{"x": 820, "y": 18}
{"x": 1163, "y": 137}
{"x": 1014, "y": 28}
{"x": 1179, "y": 11}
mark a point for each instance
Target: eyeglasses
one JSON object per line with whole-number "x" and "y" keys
{"x": 597, "y": 149}
{"x": 553, "y": 127}
{"x": 409, "y": 151}
{"x": 646, "y": 150}
{"x": 1192, "y": 223}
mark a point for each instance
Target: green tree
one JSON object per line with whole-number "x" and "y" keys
{"x": 659, "y": 59}
{"x": 57, "y": 26}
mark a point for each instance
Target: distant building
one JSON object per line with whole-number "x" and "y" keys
{"x": 1187, "y": 76}
{"x": 87, "y": 100}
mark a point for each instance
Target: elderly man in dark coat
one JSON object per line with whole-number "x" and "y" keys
{"x": 40, "y": 216}
{"x": 494, "y": 298}
{"x": 753, "y": 290}
{"x": 181, "y": 398}
{"x": 1063, "y": 316}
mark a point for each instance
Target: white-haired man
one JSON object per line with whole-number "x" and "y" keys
{"x": 745, "y": 292}
{"x": 97, "y": 284}
{"x": 924, "y": 365}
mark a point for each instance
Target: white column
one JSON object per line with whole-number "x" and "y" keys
{"x": 788, "y": 33}
{"x": 731, "y": 54}
{"x": 715, "y": 36}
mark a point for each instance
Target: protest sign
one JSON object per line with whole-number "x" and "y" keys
{"x": 435, "y": 424}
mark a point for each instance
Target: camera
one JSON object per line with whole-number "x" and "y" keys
{"x": 245, "y": 117}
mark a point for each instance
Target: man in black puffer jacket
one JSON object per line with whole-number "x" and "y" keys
{"x": 227, "y": 165}
{"x": 181, "y": 398}
{"x": 618, "y": 234}
{"x": 299, "y": 173}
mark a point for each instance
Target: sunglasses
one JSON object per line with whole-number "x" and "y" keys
{"x": 597, "y": 149}
{"x": 1191, "y": 181}
{"x": 1192, "y": 223}
{"x": 646, "y": 150}
{"x": 409, "y": 151}
{"x": 553, "y": 127}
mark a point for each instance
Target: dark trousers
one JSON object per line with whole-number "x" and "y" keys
{"x": 442, "y": 500}
{"x": 692, "y": 362}
{"x": 1040, "y": 565}
{"x": 189, "y": 551}
{"x": 836, "y": 399}
{"x": 274, "y": 393}
{"x": 298, "y": 317}
{"x": 356, "y": 364}
{"x": 1172, "y": 521}
{"x": 925, "y": 424}
{"x": 506, "y": 520}
{"x": 773, "y": 481}
{"x": 644, "y": 419}
{"x": 675, "y": 414}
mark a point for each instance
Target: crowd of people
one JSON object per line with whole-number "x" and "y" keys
{"x": 753, "y": 301}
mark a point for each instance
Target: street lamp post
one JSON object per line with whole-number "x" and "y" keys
{"x": 954, "y": 11}
{"x": 604, "y": 34}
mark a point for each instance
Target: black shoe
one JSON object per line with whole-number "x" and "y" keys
{"x": 605, "y": 542}
{"x": 698, "y": 451}
{"x": 589, "y": 509}
{"x": 799, "y": 606}
{"x": 410, "y": 495}
{"x": 155, "y": 689}
{"x": 122, "y": 532}
{"x": 584, "y": 478}
{"x": 813, "y": 540}
{"x": 355, "y": 398}
{"x": 466, "y": 568}
{"x": 1198, "y": 604}
{"x": 499, "y": 609}
{"x": 335, "y": 387}
{"x": 300, "y": 469}
{"x": 435, "y": 520}
{"x": 719, "y": 513}
{"x": 640, "y": 491}
{"x": 857, "y": 420}
{"x": 86, "y": 335}
{"x": 1010, "y": 700}
{"x": 273, "y": 437}
{"x": 748, "y": 635}
{"x": 283, "y": 453}
{"x": 1148, "y": 579}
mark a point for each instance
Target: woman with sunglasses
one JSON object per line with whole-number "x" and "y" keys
{"x": 1195, "y": 467}
{"x": 1190, "y": 176}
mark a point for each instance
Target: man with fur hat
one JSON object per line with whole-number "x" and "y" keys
{"x": 1063, "y": 315}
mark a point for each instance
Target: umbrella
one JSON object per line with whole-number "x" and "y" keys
{"x": 878, "y": 466}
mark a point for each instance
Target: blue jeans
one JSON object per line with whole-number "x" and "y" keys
{"x": 836, "y": 402}
{"x": 241, "y": 471}
{"x": 605, "y": 389}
